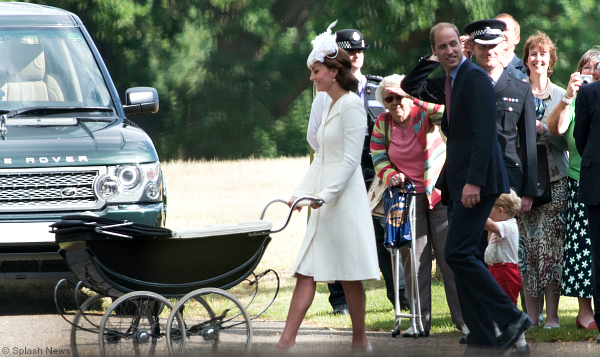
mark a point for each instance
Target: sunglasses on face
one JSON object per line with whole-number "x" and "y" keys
{"x": 391, "y": 98}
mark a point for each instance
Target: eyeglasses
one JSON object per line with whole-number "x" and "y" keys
{"x": 391, "y": 98}
{"x": 589, "y": 69}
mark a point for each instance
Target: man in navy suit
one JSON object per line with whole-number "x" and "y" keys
{"x": 472, "y": 179}
{"x": 587, "y": 140}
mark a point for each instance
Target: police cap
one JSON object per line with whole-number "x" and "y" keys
{"x": 351, "y": 40}
{"x": 486, "y": 32}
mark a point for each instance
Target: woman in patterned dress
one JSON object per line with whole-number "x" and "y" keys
{"x": 542, "y": 227}
{"x": 577, "y": 268}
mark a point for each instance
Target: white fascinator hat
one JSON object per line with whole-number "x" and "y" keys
{"x": 324, "y": 45}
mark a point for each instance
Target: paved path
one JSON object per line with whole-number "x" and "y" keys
{"x": 50, "y": 335}
{"x": 30, "y": 326}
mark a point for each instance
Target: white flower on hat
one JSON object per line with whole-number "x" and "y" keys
{"x": 323, "y": 45}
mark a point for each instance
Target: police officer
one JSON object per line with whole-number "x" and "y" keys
{"x": 515, "y": 109}
{"x": 353, "y": 43}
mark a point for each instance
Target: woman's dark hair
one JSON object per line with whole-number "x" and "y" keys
{"x": 343, "y": 64}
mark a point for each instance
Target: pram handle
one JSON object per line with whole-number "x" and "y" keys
{"x": 300, "y": 202}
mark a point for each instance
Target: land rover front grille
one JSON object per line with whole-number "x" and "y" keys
{"x": 57, "y": 190}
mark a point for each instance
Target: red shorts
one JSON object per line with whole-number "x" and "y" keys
{"x": 509, "y": 278}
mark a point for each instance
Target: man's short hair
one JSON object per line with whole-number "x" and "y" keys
{"x": 441, "y": 26}
{"x": 508, "y": 16}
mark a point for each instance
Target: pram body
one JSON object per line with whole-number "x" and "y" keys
{"x": 144, "y": 268}
{"x": 114, "y": 258}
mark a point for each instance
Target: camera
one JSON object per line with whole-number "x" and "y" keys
{"x": 586, "y": 78}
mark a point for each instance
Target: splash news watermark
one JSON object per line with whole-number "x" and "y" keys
{"x": 27, "y": 351}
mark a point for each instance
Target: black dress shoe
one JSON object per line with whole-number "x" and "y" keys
{"x": 512, "y": 331}
{"x": 463, "y": 339}
{"x": 341, "y": 309}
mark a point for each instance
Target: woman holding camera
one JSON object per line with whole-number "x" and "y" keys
{"x": 577, "y": 268}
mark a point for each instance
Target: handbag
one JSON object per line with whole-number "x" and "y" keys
{"x": 375, "y": 197}
{"x": 543, "y": 186}
{"x": 377, "y": 187}
{"x": 397, "y": 225}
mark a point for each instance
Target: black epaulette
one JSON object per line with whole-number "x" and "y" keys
{"x": 373, "y": 78}
{"x": 518, "y": 75}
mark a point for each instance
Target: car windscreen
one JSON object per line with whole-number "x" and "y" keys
{"x": 50, "y": 67}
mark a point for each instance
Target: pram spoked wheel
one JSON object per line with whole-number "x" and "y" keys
{"x": 85, "y": 327}
{"x": 133, "y": 325}
{"x": 213, "y": 320}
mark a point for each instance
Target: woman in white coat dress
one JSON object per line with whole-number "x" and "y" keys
{"x": 339, "y": 243}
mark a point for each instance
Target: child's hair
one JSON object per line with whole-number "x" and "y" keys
{"x": 510, "y": 202}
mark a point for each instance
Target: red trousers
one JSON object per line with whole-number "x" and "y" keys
{"x": 509, "y": 278}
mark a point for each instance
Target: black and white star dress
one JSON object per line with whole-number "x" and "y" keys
{"x": 577, "y": 269}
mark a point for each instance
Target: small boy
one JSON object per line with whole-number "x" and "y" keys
{"x": 501, "y": 254}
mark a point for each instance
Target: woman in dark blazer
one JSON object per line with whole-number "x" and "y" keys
{"x": 587, "y": 140}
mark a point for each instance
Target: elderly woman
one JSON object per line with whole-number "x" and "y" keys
{"x": 405, "y": 143}
{"x": 542, "y": 227}
{"x": 340, "y": 242}
{"x": 577, "y": 267}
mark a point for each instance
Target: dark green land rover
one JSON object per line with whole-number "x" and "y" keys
{"x": 66, "y": 145}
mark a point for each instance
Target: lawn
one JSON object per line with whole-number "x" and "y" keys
{"x": 228, "y": 192}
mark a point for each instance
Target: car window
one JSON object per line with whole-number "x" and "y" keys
{"x": 51, "y": 67}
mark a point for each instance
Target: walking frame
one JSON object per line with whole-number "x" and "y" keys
{"x": 415, "y": 303}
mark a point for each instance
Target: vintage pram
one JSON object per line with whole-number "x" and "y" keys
{"x": 168, "y": 288}
{"x": 394, "y": 244}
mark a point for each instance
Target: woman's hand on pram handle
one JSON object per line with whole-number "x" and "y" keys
{"x": 298, "y": 203}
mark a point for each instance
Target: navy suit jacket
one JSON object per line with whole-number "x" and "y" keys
{"x": 473, "y": 154}
{"x": 587, "y": 140}
{"x": 521, "y": 70}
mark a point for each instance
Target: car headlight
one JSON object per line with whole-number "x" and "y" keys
{"x": 130, "y": 178}
{"x": 107, "y": 187}
{"x": 130, "y": 183}
{"x": 152, "y": 191}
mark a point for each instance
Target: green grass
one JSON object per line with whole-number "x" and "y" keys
{"x": 380, "y": 314}
{"x": 192, "y": 205}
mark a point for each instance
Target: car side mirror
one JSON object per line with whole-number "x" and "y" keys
{"x": 141, "y": 100}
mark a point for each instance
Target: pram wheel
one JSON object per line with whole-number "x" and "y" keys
{"x": 214, "y": 320}
{"x": 132, "y": 325}
{"x": 86, "y": 324}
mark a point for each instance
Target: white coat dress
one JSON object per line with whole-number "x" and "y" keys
{"x": 340, "y": 241}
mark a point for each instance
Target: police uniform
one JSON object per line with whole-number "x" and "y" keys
{"x": 373, "y": 109}
{"x": 515, "y": 110}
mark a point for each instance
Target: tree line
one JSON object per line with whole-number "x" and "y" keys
{"x": 232, "y": 75}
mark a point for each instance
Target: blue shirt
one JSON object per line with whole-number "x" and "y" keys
{"x": 455, "y": 70}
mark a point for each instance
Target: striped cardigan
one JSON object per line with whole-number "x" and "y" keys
{"x": 421, "y": 116}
